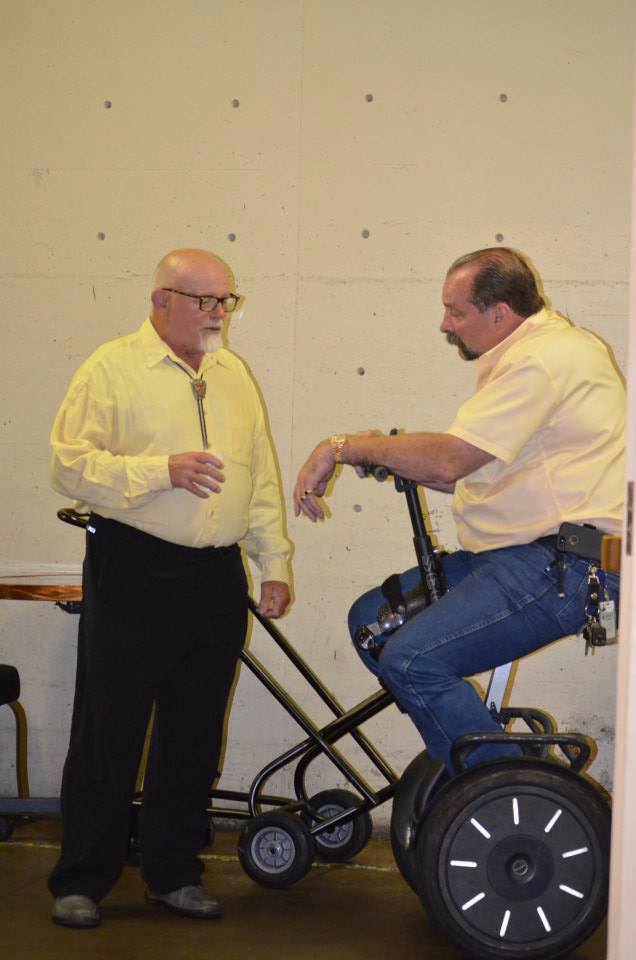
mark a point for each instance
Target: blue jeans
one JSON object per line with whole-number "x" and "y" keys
{"x": 501, "y": 605}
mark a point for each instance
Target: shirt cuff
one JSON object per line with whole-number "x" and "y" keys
{"x": 157, "y": 473}
{"x": 274, "y": 568}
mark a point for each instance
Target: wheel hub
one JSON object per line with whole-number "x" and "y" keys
{"x": 338, "y": 835}
{"x": 272, "y": 849}
{"x": 520, "y": 868}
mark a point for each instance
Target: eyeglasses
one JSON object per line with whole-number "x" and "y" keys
{"x": 209, "y": 303}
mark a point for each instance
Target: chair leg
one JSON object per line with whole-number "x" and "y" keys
{"x": 21, "y": 731}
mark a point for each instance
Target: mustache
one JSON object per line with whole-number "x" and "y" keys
{"x": 465, "y": 352}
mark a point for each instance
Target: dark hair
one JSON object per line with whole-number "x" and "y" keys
{"x": 503, "y": 276}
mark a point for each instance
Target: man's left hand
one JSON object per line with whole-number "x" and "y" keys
{"x": 274, "y": 599}
{"x": 312, "y": 481}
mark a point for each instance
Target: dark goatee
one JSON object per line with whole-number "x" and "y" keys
{"x": 465, "y": 352}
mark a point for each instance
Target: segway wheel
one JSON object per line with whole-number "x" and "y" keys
{"x": 276, "y": 849}
{"x": 342, "y": 841}
{"x": 412, "y": 793}
{"x": 6, "y": 828}
{"x": 513, "y": 860}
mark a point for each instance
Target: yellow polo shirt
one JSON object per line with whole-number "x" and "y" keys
{"x": 550, "y": 407}
{"x": 129, "y": 407}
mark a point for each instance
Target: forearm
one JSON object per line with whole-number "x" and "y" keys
{"x": 436, "y": 460}
{"x": 265, "y": 541}
{"x": 100, "y": 479}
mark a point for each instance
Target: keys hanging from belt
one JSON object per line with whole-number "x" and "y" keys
{"x": 600, "y": 611}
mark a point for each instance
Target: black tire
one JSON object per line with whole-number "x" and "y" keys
{"x": 413, "y": 791}
{"x": 276, "y": 849}
{"x": 343, "y": 841}
{"x": 6, "y": 828}
{"x": 513, "y": 860}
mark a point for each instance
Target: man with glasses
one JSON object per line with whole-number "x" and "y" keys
{"x": 162, "y": 439}
{"x": 539, "y": 445}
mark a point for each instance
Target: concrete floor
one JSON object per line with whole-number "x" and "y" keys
{"x": 359, "y": 911}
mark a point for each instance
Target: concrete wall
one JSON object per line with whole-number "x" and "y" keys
{"x": 339, "y": 155}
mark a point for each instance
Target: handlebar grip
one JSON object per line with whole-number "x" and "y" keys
{"x": 378, "y": 472}
{"x": 68, "y": 515}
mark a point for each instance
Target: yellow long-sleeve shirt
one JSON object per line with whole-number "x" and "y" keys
{"x": 129, "y": 407}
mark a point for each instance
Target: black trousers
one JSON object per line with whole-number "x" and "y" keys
{"x": 163, "y": 624}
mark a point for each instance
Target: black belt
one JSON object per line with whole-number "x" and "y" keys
{"x": 550, "y": 541}
{"x": 133, "y": 536}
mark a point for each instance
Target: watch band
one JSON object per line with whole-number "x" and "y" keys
{"x": 338, "y": 441}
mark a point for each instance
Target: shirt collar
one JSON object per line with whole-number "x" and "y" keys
{"x": 156, "y": 350}
{"x": 488, "y": 360}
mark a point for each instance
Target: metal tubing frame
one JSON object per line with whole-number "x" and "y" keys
{"x": 320, "y": 741}
{"x": 316, "y": 684}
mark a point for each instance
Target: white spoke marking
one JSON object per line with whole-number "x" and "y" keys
{"x": 575, "y": 853}
{"x": 553, "y": 821}
{"x": 504, "y": 925}
{"x": 515, "y": 811}
{"x": 471, "y": 903}
{"x": 477, "y": 825}
{"x": 463, "y": 863}
{"x": 573, "y": 893}
{"x": 544, "y": 919}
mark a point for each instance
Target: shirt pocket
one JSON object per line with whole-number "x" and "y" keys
{"x": 234, "y": 441}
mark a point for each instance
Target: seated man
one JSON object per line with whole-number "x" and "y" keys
{"x": 540, "y": 442}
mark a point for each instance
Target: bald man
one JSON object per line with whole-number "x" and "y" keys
{"x": 162, "y": 439}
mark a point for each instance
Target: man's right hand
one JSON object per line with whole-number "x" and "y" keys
{"x": 197, "y": 472}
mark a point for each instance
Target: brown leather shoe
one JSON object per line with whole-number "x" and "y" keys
{"x": 75, "y": 910}
{"x": 192, "y": 901}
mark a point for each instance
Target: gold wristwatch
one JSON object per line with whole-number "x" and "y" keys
{"x": 337, "y": 442}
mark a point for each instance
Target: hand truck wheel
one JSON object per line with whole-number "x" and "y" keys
{"x": 513, "y": 860}
{"x": 341, "y": 842}
{"x": 412, "y": 793}
{"x": 276, "y": 849}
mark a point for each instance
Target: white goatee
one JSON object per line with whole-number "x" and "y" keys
{"x": 211, "y": 341}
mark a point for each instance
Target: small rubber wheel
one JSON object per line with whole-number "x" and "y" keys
{"x": 6, "y": 828}
{"x": 513, "y": 860}
{"x": 276, "y": 849}
{"x": 414, "y": 790}
{"x": 342, "y": 841}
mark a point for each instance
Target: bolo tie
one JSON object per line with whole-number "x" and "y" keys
{"x": 199, "y": 388}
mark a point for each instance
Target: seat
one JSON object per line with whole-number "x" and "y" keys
{"x": 9, "y": 695}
